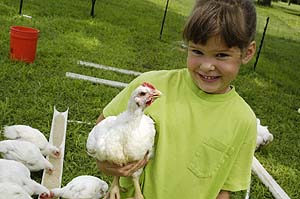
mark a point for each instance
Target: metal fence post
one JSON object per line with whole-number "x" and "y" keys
{"x": 21, "y": 5}
{"x": 163, "y": 21}
{"x": 261, "y": 42}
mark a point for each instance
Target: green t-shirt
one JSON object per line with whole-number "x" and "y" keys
{"x": 204, "y": 142}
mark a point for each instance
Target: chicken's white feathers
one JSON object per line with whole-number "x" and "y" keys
{"x": 15, "y": 172}
{"x": 33, "y": 135}
{"x": 130, "y": 135}
{"x": 264, "y": 137}
{"x": 9, "y": 190}
{"x": 26, "y": 153}
{"x": 121, "y": 143}
{"x": 82, "y": 187}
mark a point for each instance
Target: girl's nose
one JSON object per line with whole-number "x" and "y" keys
{"x": 207, "y": 66}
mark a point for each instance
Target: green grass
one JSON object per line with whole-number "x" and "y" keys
{"x": 125, "y": 34}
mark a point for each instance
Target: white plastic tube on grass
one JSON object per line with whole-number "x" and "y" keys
{"x": 268, "y": 180}
{"x": 57, "y": 138}
{"x": 27, "y": 16}
{"x": 99, "y": 66}
{"x": 96, "y": 80}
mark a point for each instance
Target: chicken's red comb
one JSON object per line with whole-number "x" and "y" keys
{"x": 148, "y": 85}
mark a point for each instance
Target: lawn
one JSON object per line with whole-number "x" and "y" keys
{"x": 125, "y": 34}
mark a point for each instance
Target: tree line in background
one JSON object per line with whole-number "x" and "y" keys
{"x": 268, "y": 2}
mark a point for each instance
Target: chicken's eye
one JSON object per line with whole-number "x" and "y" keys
{"x": 142, "y": 93}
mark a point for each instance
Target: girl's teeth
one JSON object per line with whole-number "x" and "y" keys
{"x": 208, "y": 77}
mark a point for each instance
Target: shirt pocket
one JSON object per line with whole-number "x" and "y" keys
{"x": 209, "y": 157}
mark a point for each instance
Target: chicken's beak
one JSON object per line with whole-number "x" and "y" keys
{"x": 153, "y": 96}
{"x": 156, "y": 94}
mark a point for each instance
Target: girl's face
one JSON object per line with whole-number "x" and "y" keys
{"x": 214, "y": 66}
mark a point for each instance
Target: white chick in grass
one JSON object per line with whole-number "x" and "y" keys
{"x": 10, "y": 190}
{"x": 15, "y": 172}
{"x": 264, "y": 137}
{"x": 27, "y": 133}
{"x": 82, "y": 187}
{"x": 127, "y": 137}
{"x": 26, "y": 153}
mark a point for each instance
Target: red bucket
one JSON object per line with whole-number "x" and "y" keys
{"x": 23, "y": 42}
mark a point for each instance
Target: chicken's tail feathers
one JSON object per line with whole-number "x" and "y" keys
{"x": 10, "y": 132}
{"x": 3, "y": 146}
{"x": 91, "y": 153}
{"x": 90, "y": 145}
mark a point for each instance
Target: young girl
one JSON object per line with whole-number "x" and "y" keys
{"x": 206, "y": 132}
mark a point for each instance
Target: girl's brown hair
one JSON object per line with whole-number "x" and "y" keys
{"x": 233, "y": 20}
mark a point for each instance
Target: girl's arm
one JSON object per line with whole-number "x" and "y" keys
{"x": 223, "y": 195}
{"x": 100, "y": 118}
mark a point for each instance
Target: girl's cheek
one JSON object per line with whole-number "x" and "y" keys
{"x": 191, "y": 61}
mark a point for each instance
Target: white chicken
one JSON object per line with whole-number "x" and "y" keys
{"x": 127, "y": 137}
{"x": 15, "y": 172}
{"x": 264, "y": 137}
{"x": 9, "y": 190}
{"x": 27, "y": 133}
{"x": 82, "y": 187}
{"x": 26, "y": 153}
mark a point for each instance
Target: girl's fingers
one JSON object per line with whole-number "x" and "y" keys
{"x": 119, "y": 170}
{"x": 137, "y": 166}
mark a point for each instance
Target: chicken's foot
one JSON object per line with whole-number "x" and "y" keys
{"x": 114, "y": 190}
{"x": 138, "y": 192}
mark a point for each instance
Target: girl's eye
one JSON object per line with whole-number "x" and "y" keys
{"x": 196, "y": 52}
{"x": 222, "y": 55}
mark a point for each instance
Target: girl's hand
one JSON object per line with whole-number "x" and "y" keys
{"x": 121, "y": 170}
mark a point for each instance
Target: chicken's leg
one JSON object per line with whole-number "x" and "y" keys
{"x": 138, "y": 192}
{"x": 114, "y": 191}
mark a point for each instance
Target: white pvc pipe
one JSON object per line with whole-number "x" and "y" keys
{"x": 268, "y": 180}
{"x": 57, "y": 138}
{"x": 96, "y": 80}
{"x": 99, "y": 66}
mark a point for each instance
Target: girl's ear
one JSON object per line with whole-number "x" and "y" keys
{"x": 249, "y": 52}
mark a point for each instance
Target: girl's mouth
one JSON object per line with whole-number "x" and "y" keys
{"x": 208, "y": 78}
